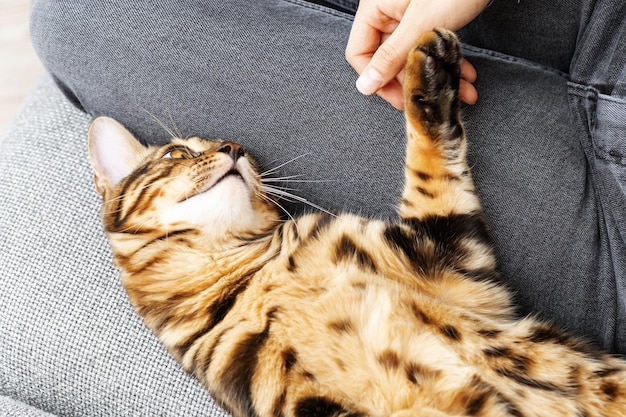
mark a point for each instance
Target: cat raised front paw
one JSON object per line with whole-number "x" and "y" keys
{"x": 431, "y": 85}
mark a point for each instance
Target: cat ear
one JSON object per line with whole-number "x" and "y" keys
{"x": 114, "y": 152}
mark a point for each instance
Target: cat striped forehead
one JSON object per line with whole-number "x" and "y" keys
{"x": 195, "y": 144}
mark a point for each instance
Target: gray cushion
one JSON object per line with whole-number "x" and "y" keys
{"x": 70, "y": 342}
{"x": 13, "y": 408}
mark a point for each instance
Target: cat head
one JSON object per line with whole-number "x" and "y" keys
{"x": 206, "y": 185}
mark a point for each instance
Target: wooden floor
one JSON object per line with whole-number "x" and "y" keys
{"x": 19, "y": 66}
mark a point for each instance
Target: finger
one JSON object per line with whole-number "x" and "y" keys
{"x": 392, "y": 93}
{"x": 370, "y": 28}
{"x": 468, "y": 72}
{"x": 362, "y": 44}
{"x": 395, "y": 43}
{"x": 387, "y": 61}
{"x": 467, "y": 92}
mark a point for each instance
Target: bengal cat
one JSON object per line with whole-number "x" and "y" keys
{"x": 339, "y": 316}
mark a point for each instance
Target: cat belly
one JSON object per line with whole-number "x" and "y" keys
{"x": 368, "y": 340}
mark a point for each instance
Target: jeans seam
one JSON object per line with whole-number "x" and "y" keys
{"x": 583, "y": 92}
{"x": 320, "y": 8}
{"x": 513, "y": 59}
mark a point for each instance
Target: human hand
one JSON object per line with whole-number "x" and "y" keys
{"x": 384, "y": 31}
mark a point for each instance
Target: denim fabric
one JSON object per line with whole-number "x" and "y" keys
{"x": 602, "y": 120}
{"x": 544, "y": 32}
{"x": 609, "y": 139}
{"x": 282, "y": 93}
{"x": 598, "y": 102}
{"x": 346, "y": 6}
{"x": 546, "y": 139}
{"x": 600, "y": 58}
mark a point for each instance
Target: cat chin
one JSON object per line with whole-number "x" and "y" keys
{"x": 226, "y": 206}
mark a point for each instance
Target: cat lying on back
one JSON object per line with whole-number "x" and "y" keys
{"x": 339, "y": 316}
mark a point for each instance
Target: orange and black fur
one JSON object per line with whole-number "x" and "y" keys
{"x": 339, "y": 315}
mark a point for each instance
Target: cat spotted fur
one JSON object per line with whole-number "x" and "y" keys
{"x": 339, "y": 315}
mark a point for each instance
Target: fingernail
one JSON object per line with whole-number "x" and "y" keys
{"x": 369, "y": 82}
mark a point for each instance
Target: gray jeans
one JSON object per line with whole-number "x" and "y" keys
{"x": 547, "y": 137}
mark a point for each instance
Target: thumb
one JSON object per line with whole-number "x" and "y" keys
{"x": 385, "y": 64}
{"x": 390, "y": 56}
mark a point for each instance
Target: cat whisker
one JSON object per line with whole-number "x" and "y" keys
{"x": 266, "y": 198}
{"x": 136, "y": 228}
{"x": 270, "y": 200}
{"x": 163, "y": 125}
{"x": 283, "y": 164}
{"x": 174, "y": 125}
{"x": 284, "y": 194}
{"x": 287, "y": 179}
{"x": 280, "y": 187}
{"x": 125, "y": 195}
{"x": 290, "y": 200}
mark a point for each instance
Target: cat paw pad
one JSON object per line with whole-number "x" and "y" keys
{"x": 431, "y": 82}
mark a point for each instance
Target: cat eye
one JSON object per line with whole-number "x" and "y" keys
{"x": 179, "y": 153}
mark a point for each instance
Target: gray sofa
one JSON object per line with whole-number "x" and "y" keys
{"x": 70, "y": 342}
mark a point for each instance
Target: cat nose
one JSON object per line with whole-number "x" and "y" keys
{"x": 234, "y": 150}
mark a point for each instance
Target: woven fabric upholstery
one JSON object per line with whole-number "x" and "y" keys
{"x": 12, "y": 408}
{"x": 70, "y": 342}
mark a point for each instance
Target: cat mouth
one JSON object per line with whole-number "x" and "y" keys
{"x": 233, "y": 172}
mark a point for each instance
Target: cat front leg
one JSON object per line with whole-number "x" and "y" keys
{"x": 438, "y": 180}
{"x": 443, "y": 229}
